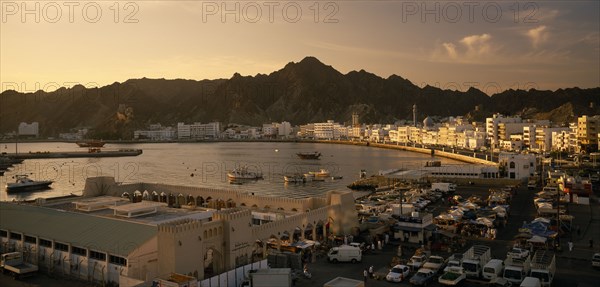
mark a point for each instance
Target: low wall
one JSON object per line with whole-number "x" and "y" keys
{"x": 450, "y": 155}
{"x": 476, "y": 181}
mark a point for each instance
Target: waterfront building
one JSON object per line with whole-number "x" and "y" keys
{"x": 285, "y": 129}
{"x": 307, "y": 131}
{"x": 128, "y": 234}
{"x": 462, "y": 171}
{"x": 270, "y": 130}
{"x": 29, "y": 130}
{"x": 198, "y": 130}
{"x": 156, "y": 132}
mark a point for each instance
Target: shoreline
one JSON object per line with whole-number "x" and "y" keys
{"x": 440, "y": 153}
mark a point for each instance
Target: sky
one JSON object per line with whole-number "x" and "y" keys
{"x": 490, "y": 45}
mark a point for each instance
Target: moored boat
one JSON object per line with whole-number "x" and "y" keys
{"x": 294, "y": 178}
{"x": 309, "y": 155}
{"x": 91, "y": 143}
{"x": 24, "y": 183}
{"x": 321, "y": 173}
{"x": 243, "y": 173}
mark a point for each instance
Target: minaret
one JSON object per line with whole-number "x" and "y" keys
{"x": 415, "y": 114}
{"x": 355, "y": 122}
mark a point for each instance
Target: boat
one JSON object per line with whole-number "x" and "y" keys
{"x": 243, "y": 173}
{"x": 321, "y": 173}
{"x": 294, "y": 178}
{"x": 309, "y": 155}
{"x": 337, "y": 177}
{"x": 91, "y": 143}
{"x": 24, "y": 183}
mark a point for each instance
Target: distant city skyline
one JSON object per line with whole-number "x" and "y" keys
{"x": 493, "y": 46}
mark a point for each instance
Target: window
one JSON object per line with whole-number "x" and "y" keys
{"x": 3, "y": 233}
{"x": 45, "y": 243}
{"x": 117, "y": 260}
{"x": 97, "y": 255}
{"x": 512, "y": 164}
{"x": 78, "y": 251}
{"x": 16, "y": 236}
{"x": 61, "y": 246}
{"x": 30, "y": 239}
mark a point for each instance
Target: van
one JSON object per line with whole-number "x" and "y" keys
{"x": 531, "y": 282}
{"x": 493, "y": 269}
{"x": 344, "y": 253}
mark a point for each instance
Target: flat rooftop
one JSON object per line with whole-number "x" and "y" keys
{"x": 160, "y": 211}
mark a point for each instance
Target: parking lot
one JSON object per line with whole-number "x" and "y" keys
{"x": 573, "y": 269}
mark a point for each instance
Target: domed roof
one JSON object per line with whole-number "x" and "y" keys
{"x": 427, "y": 122}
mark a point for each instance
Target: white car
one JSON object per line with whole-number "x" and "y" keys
{"x": 518, "y": 253}
{"x": 398, "y": 273}
{"x": 596, "y": 260}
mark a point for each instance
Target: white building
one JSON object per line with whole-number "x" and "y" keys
{"x": 511, "y": 145}
{"x": 198, "y": 130}
{"x": 492, "y": 126}
{"x": 325, "y": 130}
{"x": 156, "y": 132}
{"x": 270, "y": 130}
{"x": 518, "y": 166}
{"x": 285, "y": 129}
{"x": 26, "y": 129}
{"x": 183, "y": 131}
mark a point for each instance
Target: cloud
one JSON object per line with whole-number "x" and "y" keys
{"x": 470, "y": 49}
{"x": 477, "y": 44}
{"x": 538, "y": 36}
{"x": 451, "y": 50}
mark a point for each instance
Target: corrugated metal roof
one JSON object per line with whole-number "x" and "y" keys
{"x": 116, "y": 237}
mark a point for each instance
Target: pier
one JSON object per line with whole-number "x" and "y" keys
{"x": 77, "y": 154}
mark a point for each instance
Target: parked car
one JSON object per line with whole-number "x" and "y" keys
{"x": 398, "y": 273}
{"x": 596, "y": 260}
{"x": 423, "y": 277}
{"x": 518, "y": 253}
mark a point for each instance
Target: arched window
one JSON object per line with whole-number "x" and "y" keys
{"x": 512, "y": 164}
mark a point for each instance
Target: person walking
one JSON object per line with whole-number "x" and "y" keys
{"x": 371, "y": 271}
{"x": 365, "y": 275}
{"x": 570, "y": 246}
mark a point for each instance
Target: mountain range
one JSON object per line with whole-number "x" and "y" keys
{"x": 302, "y": 92}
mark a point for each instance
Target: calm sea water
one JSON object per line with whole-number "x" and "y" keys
{"x": 206, "y": 165}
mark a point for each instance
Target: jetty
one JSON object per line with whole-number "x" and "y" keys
{"x": 76, "y": 154}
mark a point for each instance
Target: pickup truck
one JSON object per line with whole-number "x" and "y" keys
{"x": 452, "y": 277}
{"x": 435, "y": 263}
{"x": 418, "y": 259}
{"x": 14, "y": 264}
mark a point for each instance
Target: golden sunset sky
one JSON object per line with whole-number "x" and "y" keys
{"x": 490, "y": 45}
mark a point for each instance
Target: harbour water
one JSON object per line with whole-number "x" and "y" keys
{"x": 206, "y": 165}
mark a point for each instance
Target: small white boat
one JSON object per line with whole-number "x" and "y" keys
{"x": 243, "y": 173}
{"x": 24, "y": 183}
{"x": 321, "y": 173}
